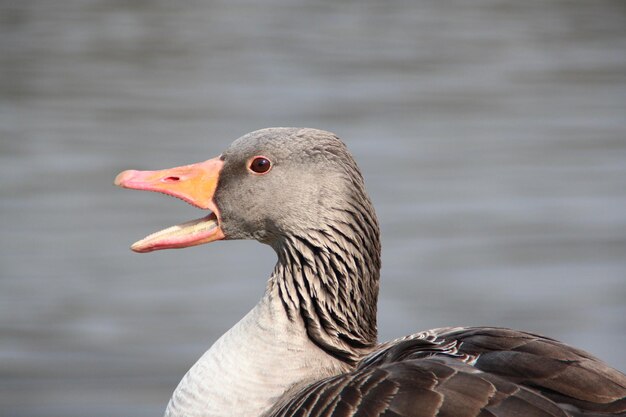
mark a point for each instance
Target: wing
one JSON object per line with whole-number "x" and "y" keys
{"x": 467, "y": 372}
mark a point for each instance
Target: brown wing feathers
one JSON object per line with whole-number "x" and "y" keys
{"x": 419, "y": 388}
{"x": 512, "y": 374}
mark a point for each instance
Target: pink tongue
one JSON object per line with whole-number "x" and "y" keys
{"x": 182, "y": 235}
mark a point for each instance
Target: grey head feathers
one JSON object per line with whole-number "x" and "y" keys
{"x": 313, "y": 177}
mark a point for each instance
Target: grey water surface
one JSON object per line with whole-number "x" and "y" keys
{"x": 491, "y": 133}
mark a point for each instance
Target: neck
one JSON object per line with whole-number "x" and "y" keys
{"x": 328, "y": 282}
{"x": 316, "y": 319}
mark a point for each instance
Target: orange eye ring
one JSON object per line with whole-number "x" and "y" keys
{"x": 260, "y": 165}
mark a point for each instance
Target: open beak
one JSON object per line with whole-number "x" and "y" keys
{"x": 194, "y": 184}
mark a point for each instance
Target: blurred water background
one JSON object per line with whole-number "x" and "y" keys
{"x": 492, "y": 135}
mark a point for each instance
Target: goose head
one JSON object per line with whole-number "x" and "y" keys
{"x": 269, "y": 185}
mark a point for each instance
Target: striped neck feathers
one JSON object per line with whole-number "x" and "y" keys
{"x": 328, "y": 277}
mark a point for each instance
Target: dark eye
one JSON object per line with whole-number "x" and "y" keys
{"x": 260, "y": 165}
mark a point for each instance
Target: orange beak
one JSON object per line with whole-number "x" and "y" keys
{"x": 194, "y": 184}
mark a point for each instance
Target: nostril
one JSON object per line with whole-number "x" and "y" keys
{"x": 171, "y": 179}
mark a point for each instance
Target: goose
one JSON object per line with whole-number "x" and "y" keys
{"x": 309, "y": 347}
